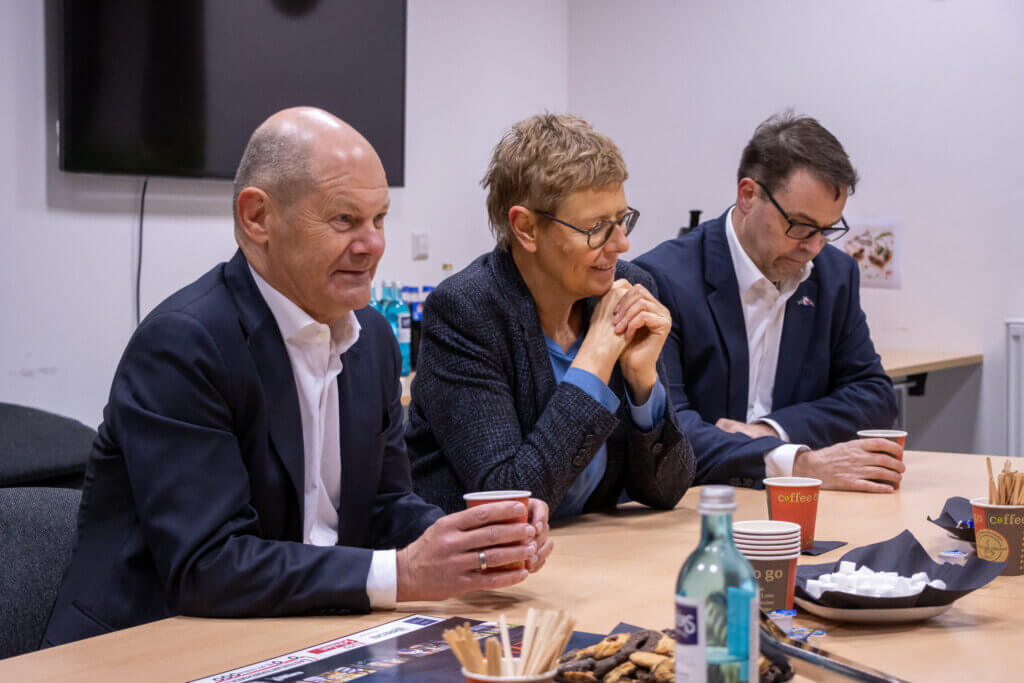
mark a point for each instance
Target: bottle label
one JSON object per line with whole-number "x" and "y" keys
{"x": 404, "y": 328}
{"x": 691, "y": 641}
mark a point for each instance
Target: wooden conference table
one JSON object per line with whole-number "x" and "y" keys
{"x": 615, "y": 567}
{"x": 903, "y": 363}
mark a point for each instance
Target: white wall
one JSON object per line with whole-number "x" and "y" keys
{"x": 926, "y": 96}
{"x": 928, "y": 99}
{"x": 67, "y": 243}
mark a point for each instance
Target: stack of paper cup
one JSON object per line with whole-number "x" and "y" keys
{"x": 772, "y": 548}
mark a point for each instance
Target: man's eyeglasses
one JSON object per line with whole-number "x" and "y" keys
{"x": 803, "y": 231}
{"x": 601, "y": 231}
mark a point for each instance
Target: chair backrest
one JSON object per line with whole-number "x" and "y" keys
{"x": 39, "y": 448}
{"x": 37, "y": 534}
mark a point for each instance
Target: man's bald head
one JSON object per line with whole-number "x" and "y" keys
{"x": 286, "y": 154}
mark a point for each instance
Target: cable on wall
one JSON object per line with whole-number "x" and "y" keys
{"x": 138, "y": 260}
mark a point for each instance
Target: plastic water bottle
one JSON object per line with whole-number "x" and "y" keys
{"x": 403, "y": 320}
{"x": 717, "y": 605}
{"x": 374, "y": 297}
{"x": 388, "y": 307}
{"x": 414, "y": 299}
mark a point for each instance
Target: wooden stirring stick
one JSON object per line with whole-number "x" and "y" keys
{"x": 493, "y": 657}
{"x": 524, "y": 653}
{"x": 476, "y": 658}
{"x": 506, "y": 648}
{"x": 992, "y": 493}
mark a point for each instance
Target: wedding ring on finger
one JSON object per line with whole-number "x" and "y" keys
{"x": 483, "y": 561}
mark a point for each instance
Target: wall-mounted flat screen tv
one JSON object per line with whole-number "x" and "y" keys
{"x": 175, "y": 87}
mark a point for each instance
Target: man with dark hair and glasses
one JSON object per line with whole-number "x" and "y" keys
{"x": 770, "y": 364}
{"x": 539, "y": 362}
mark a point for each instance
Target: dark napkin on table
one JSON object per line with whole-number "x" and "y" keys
{"x": 905, "y": 556}
{"x": 955, "y": 510}
{"x": 822, "y": 547}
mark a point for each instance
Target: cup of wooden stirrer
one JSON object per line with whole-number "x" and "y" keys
{"x": 999, "y": 520}
{"x": 545, "y": 637}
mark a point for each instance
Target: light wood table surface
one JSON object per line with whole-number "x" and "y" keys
{"x": 622, "y": 566}
{"x": 901, "y": 363}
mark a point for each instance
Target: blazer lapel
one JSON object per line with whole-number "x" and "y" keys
{"x": 522, "y": 307}
{"x": 275, "y": 371}
{"x": 797, "y": 326}
{"x": 360, "y": 461}
{"x": 727, "y": 310}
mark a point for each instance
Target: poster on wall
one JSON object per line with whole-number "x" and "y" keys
{"x": 876, "y": 245}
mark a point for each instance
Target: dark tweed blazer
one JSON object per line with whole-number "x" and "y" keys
{"x": 486, "y": 413}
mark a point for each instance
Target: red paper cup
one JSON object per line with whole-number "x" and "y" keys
{"x": 794, "y": 499}
{"x": 999, "y": 532}
{"x": 484, "y": 497}
{"x": 895, "y": 435}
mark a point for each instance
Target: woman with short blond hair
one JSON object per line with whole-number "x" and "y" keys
{"x": 539, "y": 362}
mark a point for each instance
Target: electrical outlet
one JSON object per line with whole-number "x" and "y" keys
{"x": 420, "y": 246}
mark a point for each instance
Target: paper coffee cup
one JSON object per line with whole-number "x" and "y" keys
{"x": 781, "y": 545}
{"x": 534, "y": 678}
{"x": 776, "y": 576}
{"x": 484, "y": 497}
{"x": 999, "y": 533}
{"x": 764, "y": 527}
{"x": 794, "y": 499}
{"x": 895, "y": 435}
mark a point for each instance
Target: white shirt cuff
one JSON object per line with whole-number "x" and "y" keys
{"x": 778, "y": 429}
{"x": 778, "y": 462}
{"x": 382, "y": 580}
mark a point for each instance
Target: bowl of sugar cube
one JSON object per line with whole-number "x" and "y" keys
{"x": 894, "y": 580}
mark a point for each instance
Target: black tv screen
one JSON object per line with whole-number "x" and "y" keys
{"x": 175, "y": 87}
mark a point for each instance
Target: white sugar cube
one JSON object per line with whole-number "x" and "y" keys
{"x": 846, "y": 567}
{"x": 885, "y": 591}
{"x": 814, "y": 588}
{"x": 920, "y": 576}
{"x": 902, "y": 585}
{"x": 889, "y": 575}
{"x": 864, "y": 569}
{"x": 938, "y": 583}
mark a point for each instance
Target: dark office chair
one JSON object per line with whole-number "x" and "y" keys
{"x": 37, "y": 532}
{"x": 38, "y": 448}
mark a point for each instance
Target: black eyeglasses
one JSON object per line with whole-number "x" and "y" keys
{"x": 803, "y": 231}
{"x": 601, "y": 232}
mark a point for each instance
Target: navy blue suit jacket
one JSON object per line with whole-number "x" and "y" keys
{"x": 193, "y": 495}
{"x": 829, "y": 382}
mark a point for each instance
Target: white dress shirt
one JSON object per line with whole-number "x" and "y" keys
{"x": 314, "y": 351}
{"x": 764, "y": 309}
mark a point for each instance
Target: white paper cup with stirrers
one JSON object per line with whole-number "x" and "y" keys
{"x": 484, "y": 678}
{"x": 545, "y": 637}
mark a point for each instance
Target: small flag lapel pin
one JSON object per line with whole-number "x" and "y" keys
{"x": 805, "y": 301}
